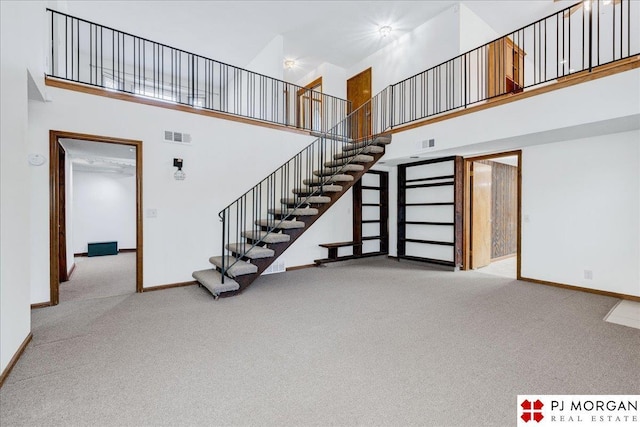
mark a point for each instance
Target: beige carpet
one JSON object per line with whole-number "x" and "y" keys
{"x": 373, "y": 342}
{"x": 503, "y": 268}
{"x": 101, "y": 276}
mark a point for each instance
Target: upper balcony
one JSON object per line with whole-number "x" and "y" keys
{"x": 95, "y": 55}
{"x": 560, "y": 49}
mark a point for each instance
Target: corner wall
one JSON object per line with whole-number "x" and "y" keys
{"x": 15, "y": 263}
{"x": 580, "y": 211}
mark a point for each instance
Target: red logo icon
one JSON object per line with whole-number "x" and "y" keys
{"x": 532, "y": 411}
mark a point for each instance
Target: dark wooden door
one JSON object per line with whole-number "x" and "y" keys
{"x": 62, "y": 218}
{"x": 359, "y": 93}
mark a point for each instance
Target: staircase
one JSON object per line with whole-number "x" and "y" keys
{"x": 261, "y": 224}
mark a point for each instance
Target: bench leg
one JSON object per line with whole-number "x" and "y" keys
{"x": 333, "y": 253}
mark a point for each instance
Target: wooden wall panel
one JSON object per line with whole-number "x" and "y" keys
{"x": 504, "y": 210}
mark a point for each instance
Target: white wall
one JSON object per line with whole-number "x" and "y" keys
{"x": 226, "y": 158}
{"x": 104, "y": 209}
{"x": 20, "y": 49}
{"x": 270, "y": 60}
{"x": 69, "y": 211}
{"x": 474, "y": 32}
{"x": 580, "y": 207}
{"x": 334, "y": 79}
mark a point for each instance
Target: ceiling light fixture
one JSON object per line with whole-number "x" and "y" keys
{"x": 385, "y": 31}
{"x": 587, "y": 5}
{"x": 606, "y": 2}
{"x": 289, "y": 64}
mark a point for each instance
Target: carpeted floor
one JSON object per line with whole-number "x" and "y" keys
{"x": 101, "y": 276}
{"x": 371, "y": 342}
{"x": 503, "y": 268}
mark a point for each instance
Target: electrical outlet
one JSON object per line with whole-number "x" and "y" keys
{"x": 588, "y": 275}
{"x": 152, "y": 213}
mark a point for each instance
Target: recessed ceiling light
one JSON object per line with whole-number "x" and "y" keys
{"x": 384, "y": 31}
{"x": 289, "y": 64}
{"x": 414, "y": 157}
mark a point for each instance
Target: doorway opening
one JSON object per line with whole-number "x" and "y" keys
{"x": 492, "y": 214}
{"x": 98, "y": 158}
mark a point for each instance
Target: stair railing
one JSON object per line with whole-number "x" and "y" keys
{"x": 92, "y": 54}
{"x": 257, "y": 206}
{"x": 575, "y": 39}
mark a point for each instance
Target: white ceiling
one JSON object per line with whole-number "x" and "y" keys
{"x": 89, "y": 156}
{"x": 339, "y": 32}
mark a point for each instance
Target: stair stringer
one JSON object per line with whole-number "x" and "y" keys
{"x": 263, "y": 263}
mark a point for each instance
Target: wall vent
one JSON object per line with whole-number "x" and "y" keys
{"x": 277, "y": 267}
{"x": 430, "y": 143}
{"x": 177, "y": 137}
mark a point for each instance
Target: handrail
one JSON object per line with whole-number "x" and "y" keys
{"x": 572, "y": 40}
{"x": 85, "y": 52}
{"x": 256, "y": 206}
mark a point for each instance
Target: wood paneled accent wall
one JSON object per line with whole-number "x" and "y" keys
{"x": 504, "y": 210}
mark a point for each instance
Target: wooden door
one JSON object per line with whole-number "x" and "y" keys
{"x": 62, "y": 221}
{"x": 310, "y": 106}
{"x": 359, "y": 93}
{"x": 480, "y": 215}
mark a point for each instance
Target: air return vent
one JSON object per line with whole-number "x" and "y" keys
{"x": 277, "y": 267}
{"x": 177, "y": 137}
{"x": 429, "y": 143}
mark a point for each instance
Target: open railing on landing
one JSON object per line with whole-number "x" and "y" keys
{"x": 251, "y": 211}
{"x": 92, "y": 54}
{"x": 576, "y": 39}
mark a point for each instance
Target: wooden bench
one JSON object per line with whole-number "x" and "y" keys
{"x": 333, "y": 251}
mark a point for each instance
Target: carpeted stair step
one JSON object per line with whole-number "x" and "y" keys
{"x": 370, "y": 149}
{"x": 266, "y": 237}
{"x": 279, "y": 225}
{"x": 249, "y": 251}
{"x": 360, "y": 158}
{"x": 294, "y": 212}
{"x": 382, "y": 140}
{"x": 351, "y": 155}
{"x": 295, "y": 201}
{"x": 305, "y": 191}
{"x": 233, "y": 268}
{"x": 345, "y": 168}
{"x": 212, "y": 278}
{"x": 328, "y": 180}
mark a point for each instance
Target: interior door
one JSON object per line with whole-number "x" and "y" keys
{"x": 62, "y": 221}
{"x": 359, "y": 93}
{"x": 480, "y": 215}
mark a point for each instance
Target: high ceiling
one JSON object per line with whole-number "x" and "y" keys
{"x": 339, "y": 32}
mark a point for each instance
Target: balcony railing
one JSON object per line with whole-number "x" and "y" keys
{"x": 576, "y": 39}
{"x": 85, "y": 52}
